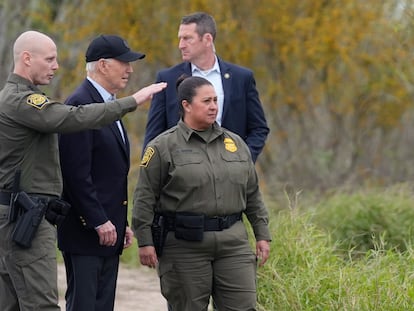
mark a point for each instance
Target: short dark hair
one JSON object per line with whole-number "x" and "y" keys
{"x": 205, "y": 23}
{"x": 187, "y": 88}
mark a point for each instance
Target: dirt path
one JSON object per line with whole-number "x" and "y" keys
{"x": 137, "y": 289}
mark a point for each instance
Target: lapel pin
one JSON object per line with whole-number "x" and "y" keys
{"x": 226, "y": 75}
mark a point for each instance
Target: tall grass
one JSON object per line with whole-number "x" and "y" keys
{"x": 346, "y": 252}
{"x": 361, "y": 220}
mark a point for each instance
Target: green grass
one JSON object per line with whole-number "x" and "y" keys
{"x": 343, "y": 251}
{"x": 129, "y": 256}
{"x": 311, "y": 269}
{"x": 361, "y": 220}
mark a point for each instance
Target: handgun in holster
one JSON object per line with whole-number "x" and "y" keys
{"x": 159, "y": 233}
{"x": 30, "y": 215}
{"x": 14, "y": 209}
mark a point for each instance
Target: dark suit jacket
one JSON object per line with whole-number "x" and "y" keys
{"x": 242, "y": 110}
{"x": 95, "y": 165}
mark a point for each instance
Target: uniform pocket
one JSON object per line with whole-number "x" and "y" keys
{"x": 167, "y": 277}
{"x": 189, "y": 166}
{"x": 43, "y": 244}
{"x": 237, "y": 167}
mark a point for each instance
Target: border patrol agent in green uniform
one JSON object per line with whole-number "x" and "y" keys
{"x": 29, "y": 122}
{"x": 197, "y": 179}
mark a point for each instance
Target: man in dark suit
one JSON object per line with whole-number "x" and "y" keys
{"x": 240, "y": 109}
{"x": 95, "y": 166}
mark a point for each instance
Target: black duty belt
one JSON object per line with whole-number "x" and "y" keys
{"x": 45, "y": 198}
{"x": 220, "y": 222}
{"x": 217, "y": 223}
{"x": 5, "y": 197}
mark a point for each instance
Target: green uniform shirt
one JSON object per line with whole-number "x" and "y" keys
{"x": 209, "y": 173}
{"x": 29, "y": 122}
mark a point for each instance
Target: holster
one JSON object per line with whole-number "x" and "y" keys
{"x": 57, "y": 210}
{"x": 159, "y": 233}
{"x": 14, "y": 209}
{"x": 28, "y": 220}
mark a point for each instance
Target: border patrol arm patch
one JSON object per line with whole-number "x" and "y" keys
{"x": 37, "y": 100}
{"x": 146, "y": 158}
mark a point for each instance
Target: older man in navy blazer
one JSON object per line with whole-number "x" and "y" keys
{"x": 240, "y": 109}
{"x": 95, "y": 165}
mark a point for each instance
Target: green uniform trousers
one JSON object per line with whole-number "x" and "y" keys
{"x": 28, "y": 277}
{"x": 222, "y": 266}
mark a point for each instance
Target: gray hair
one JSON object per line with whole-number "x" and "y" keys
{"x": 91, "y": 66}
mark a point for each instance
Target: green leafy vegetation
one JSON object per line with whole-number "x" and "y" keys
{"x": 343, "y": 251}
{"x": 335, "y": 77}
{"x": 346, "y": 252}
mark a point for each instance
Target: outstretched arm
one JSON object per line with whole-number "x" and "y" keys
{"x": 147, "y": 92}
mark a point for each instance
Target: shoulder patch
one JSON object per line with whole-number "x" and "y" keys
{"x": 230, "y": 145}
{"x": 37, "y": 100}
{"x": 146, "y": 158}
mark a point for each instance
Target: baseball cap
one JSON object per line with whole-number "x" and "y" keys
{"x": 111, "y": 46}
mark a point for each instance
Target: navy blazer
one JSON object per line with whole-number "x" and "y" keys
{"x": 95, "y": 165}
{"x": 242, "y": 110}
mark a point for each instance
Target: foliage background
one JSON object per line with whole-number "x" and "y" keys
{"x": 335, "y": 77}
{"x": 336, "y": 81}
{"x": 344, "y": 252}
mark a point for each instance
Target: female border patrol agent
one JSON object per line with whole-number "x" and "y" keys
{"x": 29, "y": 122}
{"x": 197, "y": 179}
